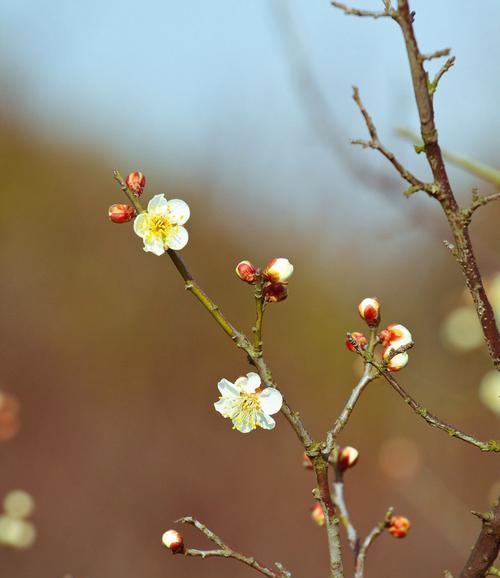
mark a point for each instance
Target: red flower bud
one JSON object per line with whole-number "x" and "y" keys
{"x": 173, "y": 540}
{"x": 347, "y": 457}
{"x": 246, "y": 271}
{"x": 275, "y": 292}
{"x": 317, "y": 514}
{"x": 306, "y": 462}
{"x": 121, "y": 213}
{"x": 369, "y": 309}
{"x": 135, "y": 182}
{"x": 399, "y": 526}
{"x": 360, "y": 340}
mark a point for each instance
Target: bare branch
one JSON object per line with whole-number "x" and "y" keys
{"x": 388, "y": 12}
{"x": 437, "y": 54}
{"x": 485, "y": 550}
{"x": 375, "y": 533}
{"x": 225, "y": 551}
{"x": 433, "y": 420}
{"x": 374, "y": 143}
{"x": 477, "y": 202}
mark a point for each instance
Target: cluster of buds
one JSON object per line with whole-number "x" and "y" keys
{"x": 347, "y": 458}
{"x": 120, "y": 212}
{"x": 398, "y": 526}
{"x": 392, "y": 338}
{"x": 275, "y": 276}
{"x": 173, "y": 540}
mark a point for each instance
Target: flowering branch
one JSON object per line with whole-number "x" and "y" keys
{"x": 225, "y": 551}
{"x": 375, "y": 533}
{"x": 441, "y": 187}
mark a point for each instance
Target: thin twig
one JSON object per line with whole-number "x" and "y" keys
{"x": 259, "y": 314}
{"x": 225, "y": 551}
{"x": 375, "y": 144}
{"x": 436, "y": 54}
{"x": 431, "y": 419}
{"x": 345, "y": 519}
{"x": 363, "y": 13}
{"x": 446, "y": 66}
{"x": 375, "y": 533}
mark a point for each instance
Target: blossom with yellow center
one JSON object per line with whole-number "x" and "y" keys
{"x": 246, "y": 404}
{"x": 160, "y": 227}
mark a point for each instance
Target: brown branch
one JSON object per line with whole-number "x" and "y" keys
{"x": 477, "y": 202}
{"x": 431, "y": 419}
{"x": 446, "y": 66}
{"x": 375, "y": 144}
{"x": 444, "y": 193}
{"x": 225, "y": 551}
{"x": 436, "y": 54}
{"x": 375, "y": 533}
{"x": 486, "y": 548}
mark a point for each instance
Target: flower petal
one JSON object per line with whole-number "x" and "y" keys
{"x": 271, "y": 400}
{"x": 227, "y": 388}
{"x": 141, "y": 224}
{"x": 176, "y": 238}
{"x": 265, "y": 421}
{"x": 243, "y": 426}
{"x": 158, "y": 205}
{"x": 178, "y": 211}
{"x": 249, "y": 383}
{"x": 154, "y": 244}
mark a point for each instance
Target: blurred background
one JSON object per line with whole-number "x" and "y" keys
{"x": 108, "y": 369}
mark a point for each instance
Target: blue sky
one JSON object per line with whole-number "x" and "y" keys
{"x": 207, "y": 88}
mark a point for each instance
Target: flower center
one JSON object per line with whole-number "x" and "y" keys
{"x": 248, "y": 410}
{"x": 159, "y": 225}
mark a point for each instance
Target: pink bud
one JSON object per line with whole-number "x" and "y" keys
{"x": 360, "y": 340}
{"x": 246, "y": 271}
{"x": 369, "y": 309}
{"x": 274, "y": 292}
{"x": 347, "y": 458}
{"x": 278, "y": 270}
{"x": 317, "y": 514}
{"x": 399, "y": 526}
{"x": 173, "y": 540}
{"x": 121, "y": 213}
{"x": 396, "y": 335}
{"x": 136, "y": 182}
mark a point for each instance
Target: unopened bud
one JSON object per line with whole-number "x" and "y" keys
{"x": 399, "y": 526}
{"x": 396, "y": 362}
{"x": 275, "y": 292}
{"x": 136, "y": 182}
{"x": 173, "y": 540}
{"x": 278, "y": 270}
{"x": 317, "y": 514}
{"x": 121, "y": 213}
{"x": 347, "y": 458}
{"x": 369, "y": 309}
{"x": 306, "y": 462}
{"x": 396, "y": 335}
{"x": 246, "y": 271}
{"x": 360, "y": 340}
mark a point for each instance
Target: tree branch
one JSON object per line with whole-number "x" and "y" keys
{"x": 225, "y": 551}
{"x": 364, "y": 13}
{"x": 345, "y": 519}
{"x": 431, "y": 419}
{"x": 485, "y": 550}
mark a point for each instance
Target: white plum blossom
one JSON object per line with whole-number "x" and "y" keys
{"x": 246, "y": 404}
{"x": 161, "y": 226}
